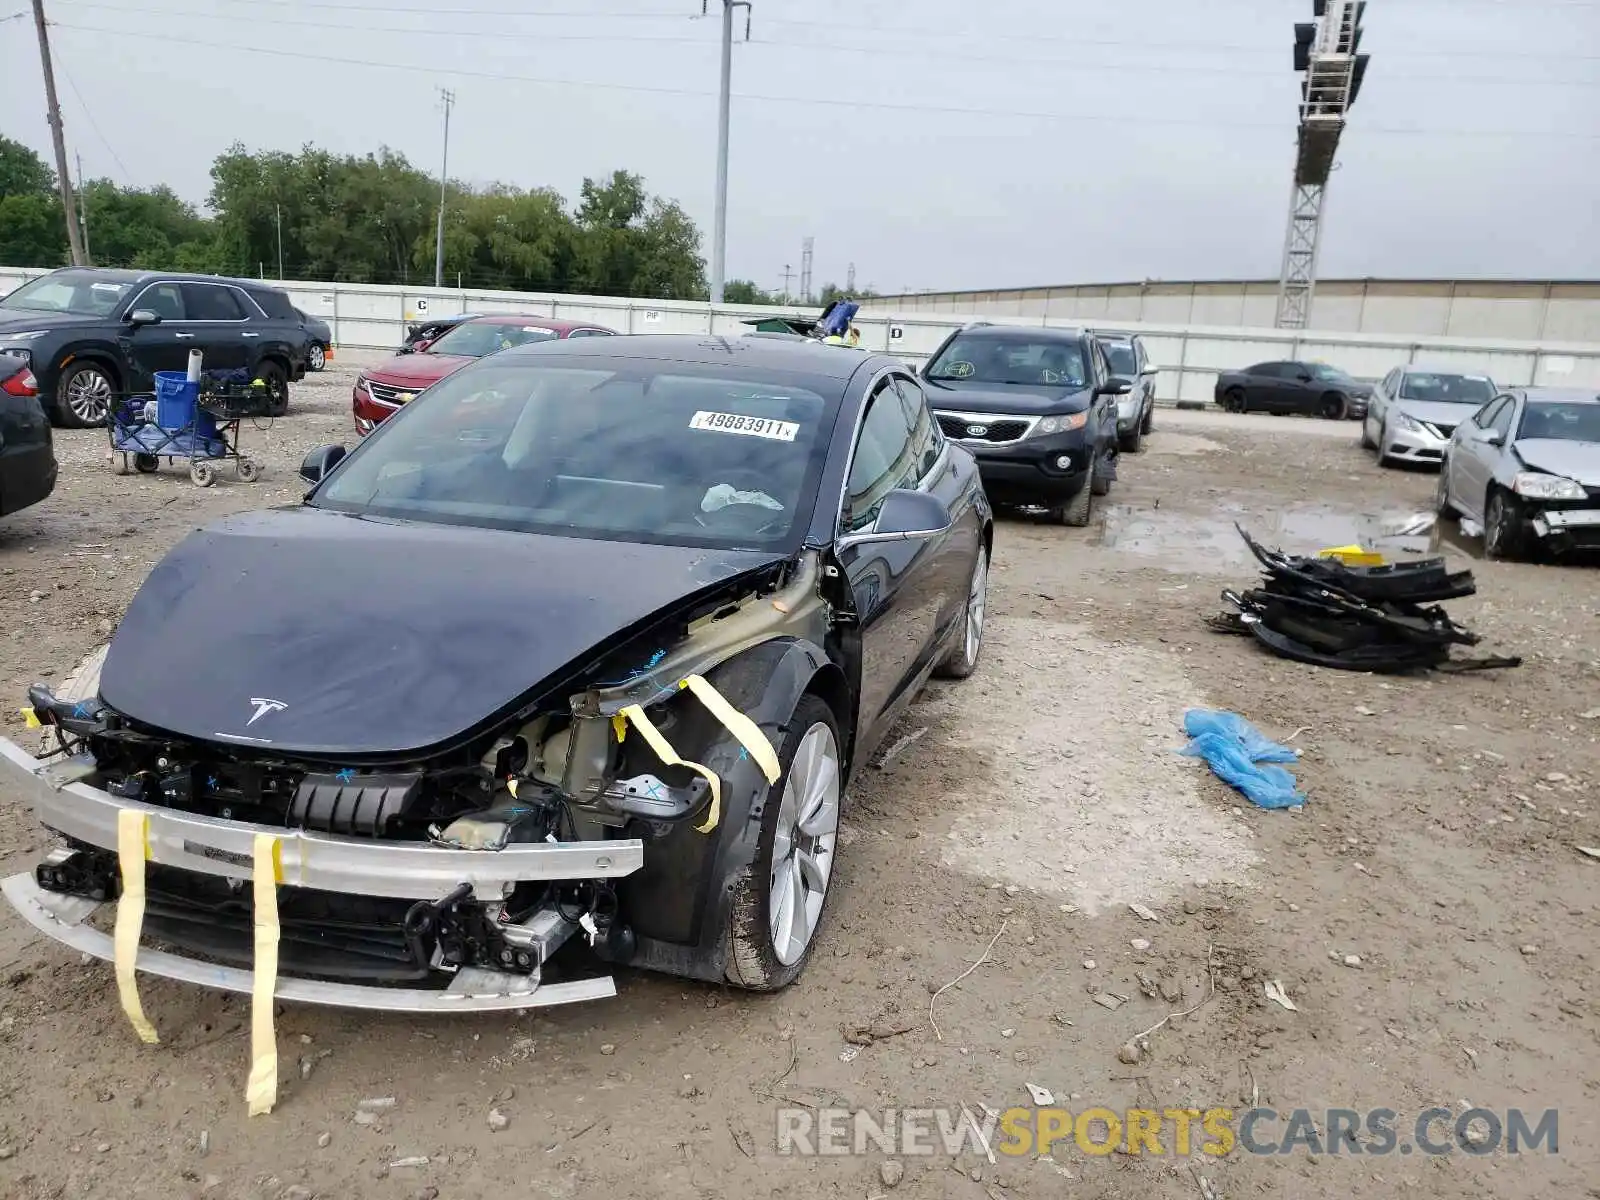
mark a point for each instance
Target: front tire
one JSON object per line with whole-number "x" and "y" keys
{"x": 1442, "y": 506}
{"x": 84, "y": 396}
{"x": 1503, "y": 534}
{"x": 1383, "y": 455}
{"x": 1332, "y": 407}
{"x": 318, "y": 358}
{"x": 1233, "y": 400}
{"x": 1076, "y": 512}
{"x": 277, "y": 381}
{"x": 1131, "y": 443}
{"x": 962, "y": 660}
{"x": 779, "y": 898}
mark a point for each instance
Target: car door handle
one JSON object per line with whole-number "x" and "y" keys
{"x": 187, "y": 336}
{"x": 247, "y": 333}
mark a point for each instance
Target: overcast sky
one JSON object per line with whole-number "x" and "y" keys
{"x": 994, "y": 144}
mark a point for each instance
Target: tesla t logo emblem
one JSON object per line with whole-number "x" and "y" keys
{"x": 977, "y": 430}
{"x": 263, "y": 707}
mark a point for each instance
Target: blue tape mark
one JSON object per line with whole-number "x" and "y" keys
{"x": 344, "y": 774}
{"x": 744, "y": 754}
{"x": 653, "y": 661}
{"x": 211, "y": 782}
{"x": 82, "y": 708}
{"x": 653, "y": 790}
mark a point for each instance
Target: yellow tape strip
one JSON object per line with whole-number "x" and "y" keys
{"x": 133, "y": 828}
{"x": 668, "y": 755}
{"x": 741, "y": 726}
{"x": 261, "y": 1092}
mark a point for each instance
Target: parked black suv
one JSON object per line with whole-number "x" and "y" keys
{"x": 1036, "y": 407}
{"x": 91, "y": 334}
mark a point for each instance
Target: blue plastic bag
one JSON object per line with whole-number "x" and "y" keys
{"x": 1242, "y": 756}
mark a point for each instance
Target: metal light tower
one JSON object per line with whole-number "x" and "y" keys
{"x": 719, "y": 236}
{"x": 808, "y": 254}
{"x": 1325, "y": 52}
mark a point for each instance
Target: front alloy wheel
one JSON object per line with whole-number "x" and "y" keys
{"x": 1502, "y": 527}
{"x": 85, "y": 396}
{"x": 318, "y": 357}
{"x": 778, "y": 899}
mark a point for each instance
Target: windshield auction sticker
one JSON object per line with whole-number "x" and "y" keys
{"x": 764, "y": 427}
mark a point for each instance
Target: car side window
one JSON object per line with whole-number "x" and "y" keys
{"x": 1391, "y": 382}
{"x": 1485, "y": 416}
{"x": 1266, "y": 370}
{"x": 1501, "y": 422}
{"x": 577, "y": 333}
{"x": 163, "y": 299}
{"x": 927, "y": 440}
{"x": 210, "y": 302}
{"x": 1140, "y": 361}
{"x": 883, "y": 458}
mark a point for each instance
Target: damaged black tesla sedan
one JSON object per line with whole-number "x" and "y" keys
{"x": 583, "y": 643}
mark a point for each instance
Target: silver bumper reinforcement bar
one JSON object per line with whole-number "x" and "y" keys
{"x": 392, "y": 870}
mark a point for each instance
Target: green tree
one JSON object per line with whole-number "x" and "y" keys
{"x": 743, "y": 291}
{"x": 152, "y": 229}
{"x": 32, "y": 230}
{"x": 632, "y": 244}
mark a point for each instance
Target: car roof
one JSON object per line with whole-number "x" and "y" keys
{"x": 802, "y": 356}
{"x": 983, "y": 328}
{"x": 531, "y": 319}
{"x": 1115, "y": 335}
{"x": 128, "y": 275}
{"x": 1561, "y": 395}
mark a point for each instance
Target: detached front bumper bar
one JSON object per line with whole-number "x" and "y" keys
{"x": 391, "y": 870}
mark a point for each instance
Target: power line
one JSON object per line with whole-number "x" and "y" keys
{"x": 127, "y": 176}
{"x": 875, "y": 51}
{"x": 805, "y": 101}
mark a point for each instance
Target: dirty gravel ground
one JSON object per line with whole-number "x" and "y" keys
{"x": 1044, "y": 794}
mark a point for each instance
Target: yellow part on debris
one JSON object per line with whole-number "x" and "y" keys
{"x": 261, "y": 1092}
{"x": 670, "y": 757}
{"x": 741, "y": 726}
{"x": 1353, "y": 556}
{"x": 133, "y": 847}
{"x": 31, "y": 719}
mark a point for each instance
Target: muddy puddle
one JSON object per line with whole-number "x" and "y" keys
{"x": 1180, "y": 541}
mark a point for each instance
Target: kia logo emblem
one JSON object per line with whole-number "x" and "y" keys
{"x": 977, "y": 430}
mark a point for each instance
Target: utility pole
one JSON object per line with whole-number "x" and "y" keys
{"x": 69, "y": 207}
{"x": 850, "y": 281}
{"x": 277, "y": 210}
{"x": 808, "y": 250}
{"x": 788, "y": 274}
{"x": 83, "y": 209}
{"x": 719, "y": 236}
{"x": 449, "y": 99}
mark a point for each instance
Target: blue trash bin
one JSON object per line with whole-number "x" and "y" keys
{"x": 176, "y": 399}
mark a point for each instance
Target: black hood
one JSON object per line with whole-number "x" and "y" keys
{"x": 18, "y": 320}
{"x": 1026, "y": 400}
{"x": 310, "y": 632}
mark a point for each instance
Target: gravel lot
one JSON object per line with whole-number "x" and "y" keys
{"x": 1042, "y": 796}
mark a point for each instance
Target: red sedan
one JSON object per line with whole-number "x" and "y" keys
{"x": 382, "y": 390}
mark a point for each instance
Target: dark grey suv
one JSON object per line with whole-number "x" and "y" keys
{"x": 91, "y": 335}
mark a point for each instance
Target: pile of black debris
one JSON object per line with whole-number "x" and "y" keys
{"x": 1384, "y": 619}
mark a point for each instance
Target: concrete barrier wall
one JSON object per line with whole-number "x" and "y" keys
{"x": 1509, "y": 311}
{"x": 1190, "y": 353}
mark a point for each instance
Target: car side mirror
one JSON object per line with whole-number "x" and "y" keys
{"x": 1149, "y": 369}
{"x": 141, "y": 317}
{"x": 1114, "y": 387}
{"x": 1303, "y": 377}
{"x": 315, "y": 466}
{"x": 1493, "y": 437}
{"x": 906, "y": 516}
